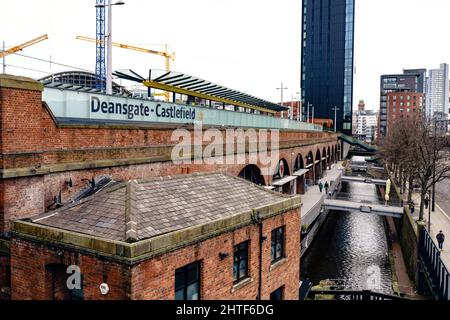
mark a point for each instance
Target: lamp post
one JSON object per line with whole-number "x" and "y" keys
{"x": 429, "y": 213}
{"x": 109, "y": 43}
{"x": 4, "y": 59}
{"x": 433, "y": 203}
{"x": 282, "y": 88}
{"x": 299, "y": 107}
{"x": 335, "y": 109}
{"x": 312, "y": 114}
{"x": 307, "y": 114}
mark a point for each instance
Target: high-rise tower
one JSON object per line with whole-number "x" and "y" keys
{"x": 327, "y": 59}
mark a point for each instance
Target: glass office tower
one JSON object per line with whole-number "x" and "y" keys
{"x": 327, "y": 60}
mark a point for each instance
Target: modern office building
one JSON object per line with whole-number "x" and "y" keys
{"x": 410, "y": 81}
{"x": 327, "y": 59}
{"x": 437, "y": 93}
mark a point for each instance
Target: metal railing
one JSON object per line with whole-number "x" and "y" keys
{"x": 368, "y": 199}
{"x": 435, "y": 274}
{"x": 364, "y": 295}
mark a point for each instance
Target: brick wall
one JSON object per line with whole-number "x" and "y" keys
{"x": 30, "y": 140}
{"x": 155, "y": 279}
{"x": 5, "y": 277}
{"x": 32, "y": 280}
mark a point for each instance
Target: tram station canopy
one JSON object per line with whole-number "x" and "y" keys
{"x": 188, "y": 85}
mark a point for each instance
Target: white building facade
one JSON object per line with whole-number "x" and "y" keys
{"x": 437, "y": 93}
{"x": 365, "y": 125}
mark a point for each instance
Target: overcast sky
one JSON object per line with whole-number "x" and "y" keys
{"x": 248, "y": 45}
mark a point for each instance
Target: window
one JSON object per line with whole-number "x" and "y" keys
{"x": 277, "y": 245}
{"x": 240, "y": 262}
{"x": 277, "y": 295}
{"x": 187, "y": 282}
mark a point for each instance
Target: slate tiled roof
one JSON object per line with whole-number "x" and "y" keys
{"x": 137, "y": 210}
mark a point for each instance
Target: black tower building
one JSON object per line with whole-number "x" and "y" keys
{"x": 327, "y": 60}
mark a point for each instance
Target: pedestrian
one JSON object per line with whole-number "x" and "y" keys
{"x": 411, "y": 207}
{"x": 327, "y": 186}
{"x": 426, "y": 201}
{"x": 441, "y": 238}
{"x": 320, "y": 186}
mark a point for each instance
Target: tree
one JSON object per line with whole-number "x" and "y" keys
{"x": 397, "y": 149}
{"x": 432, "y": 157}
{"x": 415, "y": 152}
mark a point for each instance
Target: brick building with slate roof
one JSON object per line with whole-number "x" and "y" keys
{"x": 186, "y": 237}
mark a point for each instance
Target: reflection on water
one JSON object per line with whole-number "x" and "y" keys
{"x": 351, "y": 247}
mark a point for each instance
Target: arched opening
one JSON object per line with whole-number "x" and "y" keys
{"x": 317, "y": 167}
{"x": 253, "y": 174}
{"x": 333, "y": 155}
{"x": 324, "y": 160}
{"x": 281, "y": 180}
{"x": 300, "y": 171}
{"x": 309, "y": 166}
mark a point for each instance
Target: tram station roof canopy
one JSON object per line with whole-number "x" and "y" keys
{"x": 185, "y": 84}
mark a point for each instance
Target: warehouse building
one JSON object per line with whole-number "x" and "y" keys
{"x": 201, "y": 236}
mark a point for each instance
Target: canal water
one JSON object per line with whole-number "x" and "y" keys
{"x": 351, "y": 248}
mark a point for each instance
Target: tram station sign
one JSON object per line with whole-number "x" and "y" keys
{"x": 80, "y": 107}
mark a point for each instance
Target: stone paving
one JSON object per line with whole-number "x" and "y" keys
{"x": 313, "y": 195}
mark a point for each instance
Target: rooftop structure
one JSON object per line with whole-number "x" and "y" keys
{"x": 180, "y": 83}
{"x": 137, "y": 210}
{"x": 79, "y": 80}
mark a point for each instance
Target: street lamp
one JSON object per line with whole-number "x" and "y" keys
{"x": 282, "y": 88}
{"x": 300, "y": 105}
{"x": 109, "y": 44}
{"x": 335, "y": 109}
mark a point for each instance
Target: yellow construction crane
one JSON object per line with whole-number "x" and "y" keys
{"x": 22, "y": 46}
{"x": 168, "y": 56}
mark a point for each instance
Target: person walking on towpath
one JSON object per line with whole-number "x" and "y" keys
{"x": 426, "y": 201}
{"x": 440, "y": 238}
{"x": 327, "y": 186}
{"x": 411, "y": 207}
{"x": 320, "y": 186}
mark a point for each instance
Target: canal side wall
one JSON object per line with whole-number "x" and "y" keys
{"x": 408, "y": 231}
{"x": 316, "y": 217}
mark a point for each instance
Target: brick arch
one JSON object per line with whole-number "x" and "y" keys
{"x": 329, "y": 159}
{"x": 299, "y": 162}
{"x": 324, "y": 162}
{"x": 318, "y": 167}
{"x": 253, "y": 174}
{"x": 287, "y": 170}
